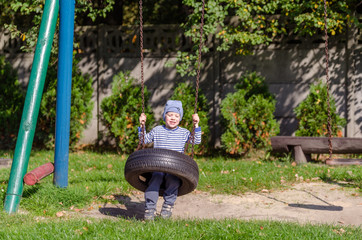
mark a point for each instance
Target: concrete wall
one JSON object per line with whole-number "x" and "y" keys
{"x": 289, "y": 66}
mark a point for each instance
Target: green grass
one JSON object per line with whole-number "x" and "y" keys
{"x": 28, "y": 227}
{"x": 94, "y": 177}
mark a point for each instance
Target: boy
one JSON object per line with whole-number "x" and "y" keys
{"x": 168, "y": 136}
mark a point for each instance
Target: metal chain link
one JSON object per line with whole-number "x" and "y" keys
{"x": 329, "y": 122}
{"x": 141, "y": 143}
{"x": 192, "y": 135}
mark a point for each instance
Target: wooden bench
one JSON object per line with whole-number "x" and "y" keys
{"x": 303, "y": 147}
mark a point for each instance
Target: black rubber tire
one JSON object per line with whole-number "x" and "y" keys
{"x": 142, "y": 163}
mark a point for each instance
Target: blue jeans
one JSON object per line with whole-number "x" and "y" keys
{"x": 172, "y": 183}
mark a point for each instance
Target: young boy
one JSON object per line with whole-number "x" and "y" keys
{"x": 168, "y": 136}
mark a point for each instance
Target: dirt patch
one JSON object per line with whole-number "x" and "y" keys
{"x": 304, "y": 203}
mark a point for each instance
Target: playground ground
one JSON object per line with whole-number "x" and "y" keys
{"x": 316, "y": 203}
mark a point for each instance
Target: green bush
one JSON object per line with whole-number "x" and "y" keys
{"x": 253, "y": 84}
{"x": 186, "y": 94}
{"x": 312, "y": 114}
{"x": 81, "y": 108}
{"x": 11, "y": 104}
{"x": 121, "y": 111}
{"x": 248, "y": 117}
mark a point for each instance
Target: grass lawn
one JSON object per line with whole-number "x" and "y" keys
{"x": 93, "y": 177}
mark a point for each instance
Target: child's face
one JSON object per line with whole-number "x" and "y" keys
{"x": 172, "y": 120}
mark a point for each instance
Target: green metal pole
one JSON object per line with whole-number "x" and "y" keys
{"x": 31, "y": 106}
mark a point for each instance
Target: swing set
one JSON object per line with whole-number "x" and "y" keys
{"x": 143, "y": 161}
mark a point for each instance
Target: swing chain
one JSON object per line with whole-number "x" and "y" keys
{"x": 141, "y": 143}
{"x": 192, "y": 135}
{"x": 329, "y": 121}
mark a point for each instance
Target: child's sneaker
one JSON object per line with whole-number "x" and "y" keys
{"x": 166, "y": 211}
{"x": 150, "y": 214}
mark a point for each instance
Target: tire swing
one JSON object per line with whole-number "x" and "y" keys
{"x": 141, "y": 163}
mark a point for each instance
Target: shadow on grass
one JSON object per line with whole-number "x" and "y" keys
{"x": 127, "y": 209}
{"x": 30, "y": 191}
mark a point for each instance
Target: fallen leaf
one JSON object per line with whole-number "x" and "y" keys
{"x": 59, "y": 214}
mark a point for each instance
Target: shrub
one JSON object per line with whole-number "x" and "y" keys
{"x": 312, "y": 114}
{"x": 81, "y": 108}
{"x": 12, "y": 99}
{"x": 254, "y": 85}
{"x": 186, "y": 94}
{"x": 121, "y": 111}
{"x": 248, "y": 117}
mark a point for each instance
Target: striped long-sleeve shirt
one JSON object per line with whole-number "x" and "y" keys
{"x": 173, "y": 139}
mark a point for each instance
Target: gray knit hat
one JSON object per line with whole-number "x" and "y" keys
{"x": 173, "y": 106}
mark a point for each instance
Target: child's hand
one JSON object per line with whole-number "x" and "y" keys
{"x": 196, "y": 119}
{"x": 143, "y": 119}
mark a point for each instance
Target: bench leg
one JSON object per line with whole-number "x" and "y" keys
{"x": 299, "y": 155}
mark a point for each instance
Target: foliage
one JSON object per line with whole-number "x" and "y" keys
{"x": 23, "y": 18}
{"x": 308, "y": 16}
{"x": 186, "y": 94}
{"x": 163, "y": 12}
{"x": 121, "y": 111}
{"x": 253, "y": 84}
{"x": 12, "y": 99}
{"x": 312, "y": 114}
{"x": 81, "y": 108}
{"x": 248, "y": 117}
{"x": 240, "y": 25}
